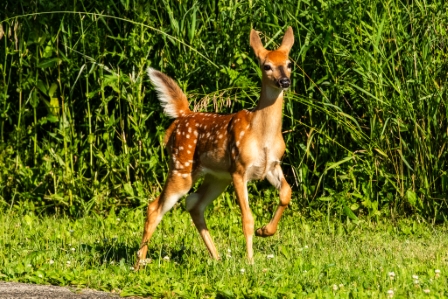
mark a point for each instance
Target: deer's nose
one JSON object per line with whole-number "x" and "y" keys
{"x": 284, "y": 82}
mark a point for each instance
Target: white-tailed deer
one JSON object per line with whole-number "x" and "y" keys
{"x": 239, "y": 147}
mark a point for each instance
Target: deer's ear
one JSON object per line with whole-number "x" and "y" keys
{"x": 288, "y": 40}
{"x": 256, "y": 44}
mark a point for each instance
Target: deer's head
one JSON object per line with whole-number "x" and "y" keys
{"x": 275, "y": 65}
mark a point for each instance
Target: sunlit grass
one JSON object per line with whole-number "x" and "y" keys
{"x": 307, "y": 258}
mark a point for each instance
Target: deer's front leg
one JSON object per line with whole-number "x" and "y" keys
{"x": 240, "y": 184}
{"x": 276, "y": 178}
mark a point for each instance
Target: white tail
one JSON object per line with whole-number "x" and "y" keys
{"x": 172, "y": 99}
{"x": 239, "y": 147}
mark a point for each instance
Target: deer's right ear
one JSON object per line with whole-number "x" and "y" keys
{"x": 256, "y": 44}
{"x": 288, "y": 40}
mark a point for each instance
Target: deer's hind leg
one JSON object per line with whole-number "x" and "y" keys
{"x": 196, "y": 204}
{"x": 276, "y": 178}
{"x": 176, "y": 186}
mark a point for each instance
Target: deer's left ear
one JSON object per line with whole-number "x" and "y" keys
{"x": 257, "y": 45}
{"x": 288, "y": 40}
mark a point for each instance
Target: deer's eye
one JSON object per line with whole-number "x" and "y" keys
{"x": 267, "y": 67}
{"x": 290, "y": 65}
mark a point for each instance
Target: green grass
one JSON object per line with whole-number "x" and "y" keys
{"x": 306, "y": 259}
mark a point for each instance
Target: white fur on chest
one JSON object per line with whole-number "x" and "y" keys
{"x": 264, "y": 162}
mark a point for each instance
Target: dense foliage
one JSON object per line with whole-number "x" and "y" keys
{"x": 365, "y": 122}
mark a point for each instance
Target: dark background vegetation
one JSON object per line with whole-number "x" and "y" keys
{"x": 365, "y": 120}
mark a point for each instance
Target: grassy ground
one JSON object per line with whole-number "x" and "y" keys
{"x": 306, "y": 259}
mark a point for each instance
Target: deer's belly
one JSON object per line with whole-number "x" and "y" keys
{"x": 216, "y": 163}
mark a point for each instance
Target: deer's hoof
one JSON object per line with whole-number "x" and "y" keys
{"x": 264, "y": 232}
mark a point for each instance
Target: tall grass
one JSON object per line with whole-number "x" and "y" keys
{"x": 365, "y": 122}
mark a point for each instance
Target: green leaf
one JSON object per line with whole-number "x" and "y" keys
{"x": 48, "y": 51}
{"x": 284, "y": 251}
{"x": 52, "y": 118}
{"x": 405, "y": 161}
{"x": 53, "y": 88}
{"x": 128, "y": 189}
{"x": 91, "y": 138}
{"x": 48, "y": 63}
{"x": 349, "y": 213}
{"x": 42, "y": 87}
{"x": 326, "y": 198}
{"x": 336, "y": 164}
{"x": 411, "y": 196}
{"x": 28, "y": 220}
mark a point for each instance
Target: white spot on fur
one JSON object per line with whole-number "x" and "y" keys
{"x": 179, "y": 165}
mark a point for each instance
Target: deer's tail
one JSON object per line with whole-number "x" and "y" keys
{"x": 171, "y": 97}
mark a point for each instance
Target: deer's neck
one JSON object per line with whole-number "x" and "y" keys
{"x": 267, "y": 118}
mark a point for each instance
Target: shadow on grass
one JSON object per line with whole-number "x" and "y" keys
{"x": 119, "y": 252}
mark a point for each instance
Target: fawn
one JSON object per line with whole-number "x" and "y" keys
{"x": 238, "y": 147}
